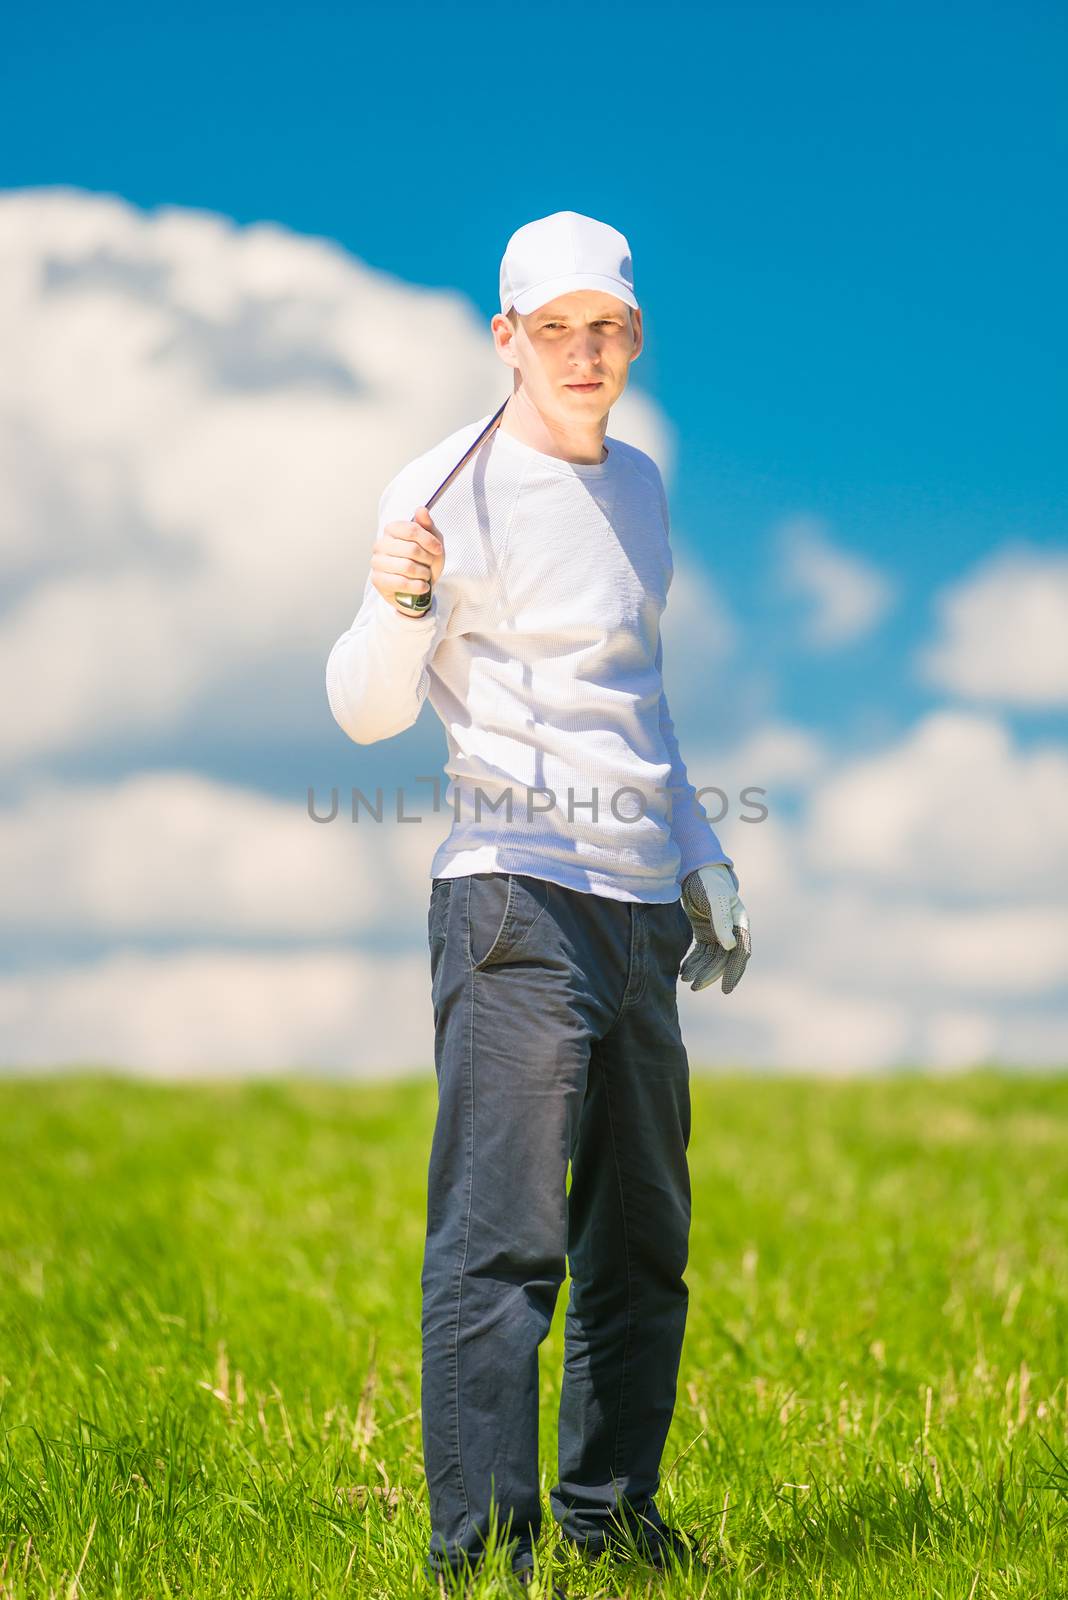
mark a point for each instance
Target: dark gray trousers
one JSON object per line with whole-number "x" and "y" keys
{"x": 556, "y": 1039}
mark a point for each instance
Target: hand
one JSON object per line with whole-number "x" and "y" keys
{"x": 720, "y": 926}
{"x": 407, "y": 551}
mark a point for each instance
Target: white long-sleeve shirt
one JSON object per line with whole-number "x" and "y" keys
{"x": 541, "y": 654}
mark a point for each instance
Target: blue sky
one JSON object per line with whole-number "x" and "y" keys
{"x": 848, "y": 232}
{"x": 847, "y": 223}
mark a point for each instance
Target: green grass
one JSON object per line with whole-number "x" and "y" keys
{"x": 209, "y": 1341}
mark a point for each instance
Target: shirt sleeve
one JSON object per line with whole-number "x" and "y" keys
{"x": 376, "y": 673}
{"x": 691, "y": 830}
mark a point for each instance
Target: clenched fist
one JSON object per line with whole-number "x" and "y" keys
{"x": 407, "y": 559}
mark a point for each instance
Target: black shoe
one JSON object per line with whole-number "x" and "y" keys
{"x": 659, "y": 1546}
{"x": 669, "y": 1545}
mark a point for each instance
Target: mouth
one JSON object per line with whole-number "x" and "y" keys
{"x": 583, "y": 388}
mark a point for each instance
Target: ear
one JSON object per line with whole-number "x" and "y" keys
{"x": 636, "y": 329}
{"x": 504, "y": 339}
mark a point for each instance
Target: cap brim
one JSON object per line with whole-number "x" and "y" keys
{"x": 542, "y": 293}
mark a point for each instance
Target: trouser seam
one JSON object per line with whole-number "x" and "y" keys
{"x": 624, "y": 1364}
{"x": 470, "y": 1076}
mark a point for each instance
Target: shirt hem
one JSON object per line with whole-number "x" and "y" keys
{"x": 611, "y": 886}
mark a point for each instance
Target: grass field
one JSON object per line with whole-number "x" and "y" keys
{"x": 209, "y": 1341}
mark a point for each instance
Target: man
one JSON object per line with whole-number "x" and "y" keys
{"x": 556, "y": 926}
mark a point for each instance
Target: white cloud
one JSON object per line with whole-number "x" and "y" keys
{"x": 959, "y": 1037}
{"x": 196, "y": 421}
{"x": 1003, "y": 631}
{"x": 914, "y": 913}
{"x": 955, "y": 808}
{"x": 208, "y": 1012}
{"x": 921, "y": 950}
{"x": 777, "y": 756}
{"x": 847, "y": 595}
{"x": 789, "y": 1023}
{"x": 184, "y": 856}
{"x": 851, "y": 971}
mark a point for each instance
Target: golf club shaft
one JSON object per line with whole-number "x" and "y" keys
{"x": 419, "y": 602}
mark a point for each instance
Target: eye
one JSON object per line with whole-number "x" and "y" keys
{"x": 602, "y": 322}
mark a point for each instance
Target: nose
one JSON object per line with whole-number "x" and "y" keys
{"x": 585, "y": 351}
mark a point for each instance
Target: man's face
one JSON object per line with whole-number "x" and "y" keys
{"x": 584, "y": 337}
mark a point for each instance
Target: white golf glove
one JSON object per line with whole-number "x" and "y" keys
{"x": 720, "y": 928}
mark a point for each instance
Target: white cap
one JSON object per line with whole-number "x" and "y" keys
{"x": 562, "y": 252}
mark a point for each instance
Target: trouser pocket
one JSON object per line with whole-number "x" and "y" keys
{"x": 502, "y": 910}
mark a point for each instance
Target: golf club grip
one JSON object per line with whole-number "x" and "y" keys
{"x": 419, "y": 602}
